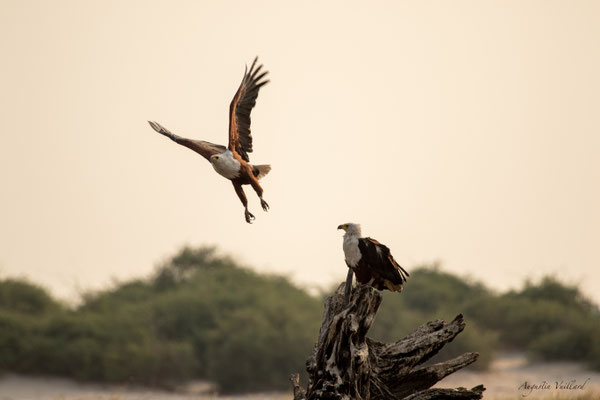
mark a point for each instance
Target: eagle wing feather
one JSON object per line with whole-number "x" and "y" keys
{"x": 240, "y": 136}
{"x": 205, "y": 149}
{"x": 380, "y": 259}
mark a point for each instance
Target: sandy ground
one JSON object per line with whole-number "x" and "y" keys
{"x": 505, "y": 378}
{"x": 503, "y": 381}
{"x": 17, "y": 387}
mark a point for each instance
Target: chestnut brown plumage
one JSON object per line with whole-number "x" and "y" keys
{"x": 233, "y": 162}
{"x": 240, "y": 137}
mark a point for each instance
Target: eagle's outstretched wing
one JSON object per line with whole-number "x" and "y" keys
{"x": 205, "y": 149}
{"x": 240, "y": 137}
{"x": 380, "y": 259}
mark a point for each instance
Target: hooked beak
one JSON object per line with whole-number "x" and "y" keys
{"x": 343, "y": 226}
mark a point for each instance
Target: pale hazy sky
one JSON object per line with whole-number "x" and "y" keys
{"x": 466, "y": 132}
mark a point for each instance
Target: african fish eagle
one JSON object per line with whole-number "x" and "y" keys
{"x": 233, "y": 162}
{"x": 371, "y": 261}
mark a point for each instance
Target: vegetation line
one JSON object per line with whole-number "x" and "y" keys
{"x": 203, "y": 316}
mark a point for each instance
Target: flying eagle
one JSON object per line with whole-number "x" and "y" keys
{"x": 371, "y": 261}
{"x": 233, "y": 162}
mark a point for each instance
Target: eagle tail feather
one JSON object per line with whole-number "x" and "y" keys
{"x": 261, "y": 170}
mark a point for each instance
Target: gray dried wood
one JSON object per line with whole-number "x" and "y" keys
{"x": 347, "y": 365}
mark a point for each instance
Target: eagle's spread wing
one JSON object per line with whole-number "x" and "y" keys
{"x": 379, "y": 258}
{"x": 205, "y": 149}
{"x": 240, "y": 137}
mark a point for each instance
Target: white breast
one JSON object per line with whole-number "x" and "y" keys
{"x": 227, "y": 166}
{"x": 351, "y": 250}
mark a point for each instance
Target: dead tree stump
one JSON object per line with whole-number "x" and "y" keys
{"x": 347, "y": 365}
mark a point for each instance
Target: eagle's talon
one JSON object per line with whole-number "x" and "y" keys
{"x": 249, "y": 217}
{"x": 264, "y": 204}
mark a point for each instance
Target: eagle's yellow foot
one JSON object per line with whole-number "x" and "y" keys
{"x": 249, "y": 216}
{"x": 264, "y": 204}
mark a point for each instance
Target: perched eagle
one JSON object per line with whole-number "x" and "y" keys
{"x": 371, "y": 261}
{"x": 233, "y": 162}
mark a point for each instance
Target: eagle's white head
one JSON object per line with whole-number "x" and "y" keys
{"x": 216, "y": 157}
{"x": 225, "y": 164}
{"x": 351, "y": 229}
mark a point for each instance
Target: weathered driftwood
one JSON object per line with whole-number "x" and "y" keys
{"x": 345, "y": 364}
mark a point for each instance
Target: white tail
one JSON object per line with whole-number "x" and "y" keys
{"x": 261, "y": 170}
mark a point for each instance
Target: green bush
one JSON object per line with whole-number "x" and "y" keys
{"x": 200, "y": 315}
{"x": 548, "y": 320}
{"x": 16, "y": 334}
{"x": 22, "y": 297}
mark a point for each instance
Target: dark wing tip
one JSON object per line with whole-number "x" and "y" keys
{"x": 254, "y": 63}
{"x": 154, "y": 126}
